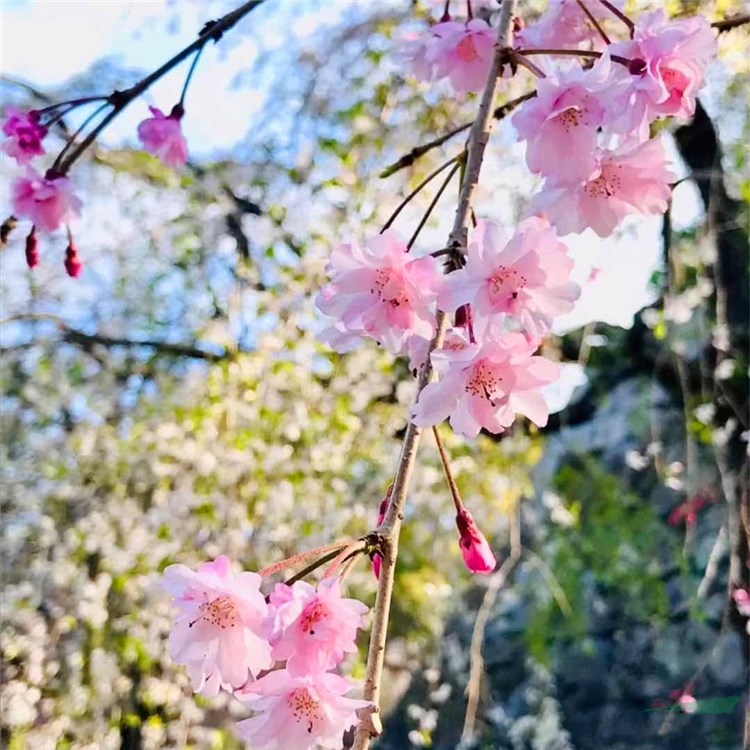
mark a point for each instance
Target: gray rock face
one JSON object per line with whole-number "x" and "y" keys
{"x": 603, "y": 678}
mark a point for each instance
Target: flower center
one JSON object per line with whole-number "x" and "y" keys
{"x": 389, "y": 287}
{"x": 505, "y": 283}
{"x": 313, "y": 615}
{"x": 220, "y": 612}
{"x": 484, "y": 383}
{"x": 606, "y": 185}
{"x": 570, "y": 118}
{"x": 466, "y": 49}
{"x": 304, "y": 707}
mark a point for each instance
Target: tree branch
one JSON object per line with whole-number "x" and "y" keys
{"x": 121, "y": 99}
{"x": 369, "y": 725}
{"x": 88, "y": 341}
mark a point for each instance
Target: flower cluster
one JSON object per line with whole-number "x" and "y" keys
{"x": 47, "y": 199}
{"x": 230, "y": 637}
{"x": 587, "y": 131}
{"x": 504, "y": 300}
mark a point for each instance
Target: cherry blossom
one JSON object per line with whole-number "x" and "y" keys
{"x": 381, "y": 290}
{"x": 162, "y": 136}
{"x": 563, "y": 24}
{"x": 48, "y": 201}
{"x": 742, "y": 600}
{"x": 485, "y": 385}
{"x": 298, "y": 712}
{"x": 25, "y": 135}
{"x": 73, "y": 262}
{"x": 312, "y": 628}
{"x": 463, "y": 52}
{"x": 669, "y": 60}
{"x": 527, "y": 277}
{"x": 560, "y": 123}
{"x": 627, "y": 180}
{"x": 475, "y": 548}
{"x": 216, "y": 632}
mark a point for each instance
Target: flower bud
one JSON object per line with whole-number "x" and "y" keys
{"x": 73, "y": 263}
{"x": 32, "y": 249}
{"x": 475, "y": 548}
{"x": 377, "y": 559}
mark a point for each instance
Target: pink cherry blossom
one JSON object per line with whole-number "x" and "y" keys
{"x": 560, "y": 123}
{"x": 627, "y": 180}
{"x": 669, "y": 61}
{"x": 298, "y": 712}
{"x": 162, "y": 136}
{"x": 25, "y": 135}
{"x": 312, "y": 628}
{"x": 48, "y": 201}
{"x": 462, "y": 52}
{"x": 564, "y": 24}
{"x": 527, "y": 277}
{"x": 216, "y": 631}
{"x": 688, "y": 703}
{"x": 475, "y": 548}
{"x": 485, "y": 385}
{"x": 382, "y": 291}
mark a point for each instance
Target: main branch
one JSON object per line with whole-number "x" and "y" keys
{"x": 391, "y": 526}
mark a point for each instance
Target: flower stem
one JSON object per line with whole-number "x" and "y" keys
{"x": 594, "y": 22}
{"x": 616, "y": 11}
{"x": 573, "y": 53}
{"x": 370, "y": 725}
{"x": 447, "y": 470}
{"x": 189, "y": 76}
{"x": 351, "y": 550}
{"x": 73, "y": 138}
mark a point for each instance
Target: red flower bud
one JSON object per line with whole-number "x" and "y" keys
{"x": 475, "y": 548}
{"x": 32, "y": 249}
{"x": 73, "y": 262}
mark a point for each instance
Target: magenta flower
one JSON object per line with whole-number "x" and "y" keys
{"x": 560, "y": 123}
{"x": 298, "y": 712}
{"x": 216, "y": 632}
{"x": 162, "y": 136}
{"x": 381, "y": 291}
{"x": 628, "y": 180}
{"x": 312, "y": 628}
{"x": 25, "y": 135}
{"x": 527, "y": 277}
{"x": 669, "y": 61}
{"x": 485, "y": 385}
{"x": 48, "y": 201}
{"x": 462, "y": 52}
{"x": 475, "y": 548}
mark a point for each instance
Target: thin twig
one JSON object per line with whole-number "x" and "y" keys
{"x": 432, "y": 205}
{"x": 121, "y": 99}
{"x": 390, "y": 529}
{"x": 418, "y": 151}
{"x": 616, "y": 11}
{"x": 730, "y": 23}
{"x": 405, "y": 202}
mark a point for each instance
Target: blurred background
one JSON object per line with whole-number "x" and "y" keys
{"x": 173, "y": 403}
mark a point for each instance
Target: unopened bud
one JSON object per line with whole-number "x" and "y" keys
{"x": 475, "y": 548}
{"x": 32, "y": 249}
{"x": 637, "y": 66}
{"x": 73, "y": 263}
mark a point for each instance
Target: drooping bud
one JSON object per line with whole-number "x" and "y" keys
{"x": 32, "y": 249}
{"x": 475, "y": 548}
{"x": 73, "y": 262}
